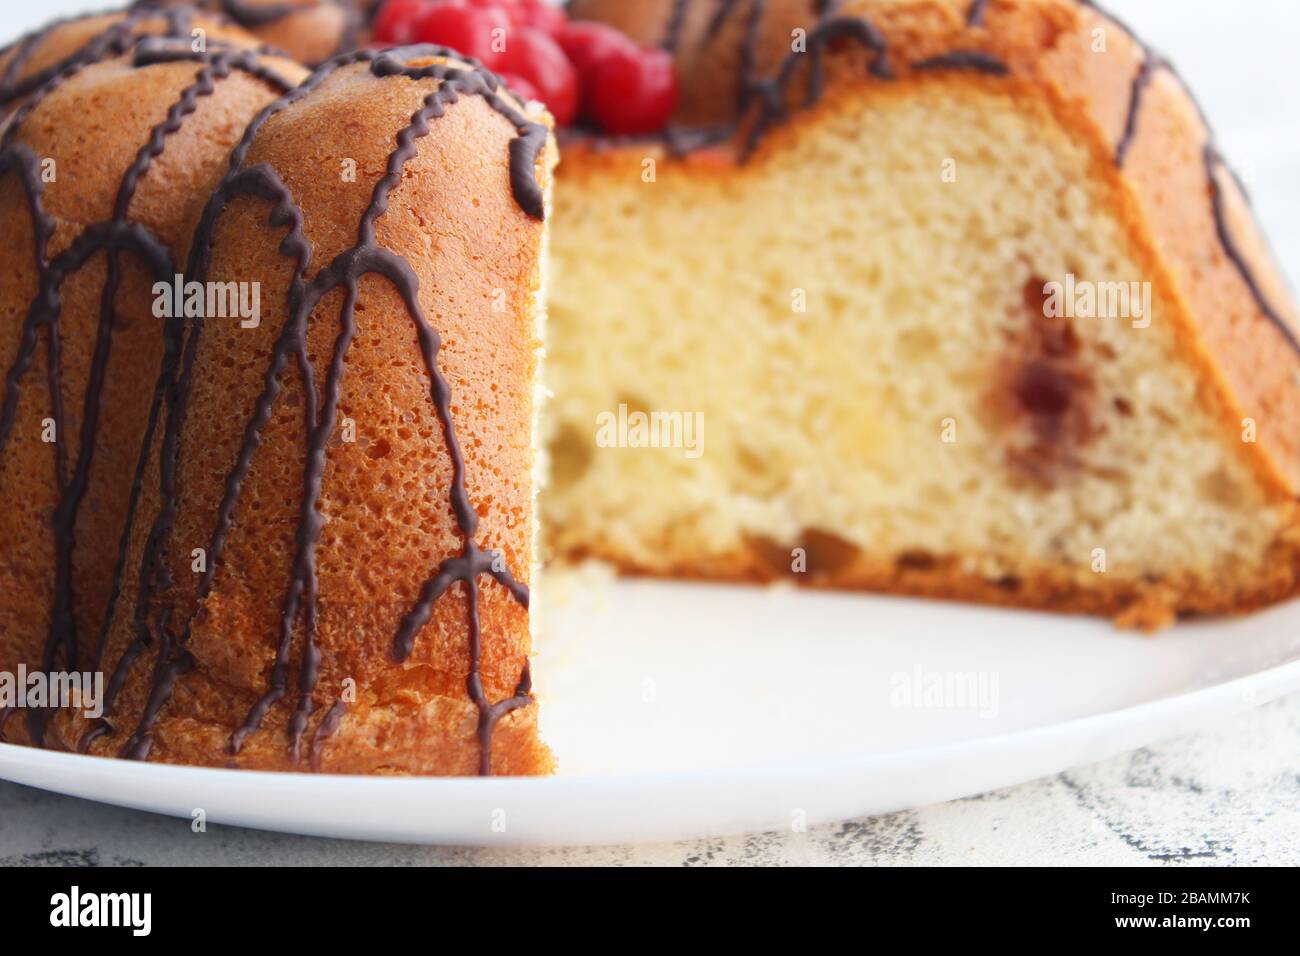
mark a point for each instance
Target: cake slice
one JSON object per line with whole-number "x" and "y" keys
{"x": 329, "y": 565}
{"x": 956, "y": 299}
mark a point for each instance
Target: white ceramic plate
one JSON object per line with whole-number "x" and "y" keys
{"x": 682, "y": 710}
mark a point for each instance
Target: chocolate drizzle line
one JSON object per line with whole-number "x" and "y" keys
{"x": 326, "y": 730}
{"x": 114, "y": 237}
{"x": 1213, "y": 161}
{"x": 676, "y": 22}
{"x": 98, "y": 728}
{"x": 115, "y": 40}
{"x": 974, "y": 60}
{"x": 344, "y": 272}
{"x": 255, "y": 16}
{"x": 765, "y": 96}
{"x": 975, "y": 14}
{"x": 1141, "y": 80}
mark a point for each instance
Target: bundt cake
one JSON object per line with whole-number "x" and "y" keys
{"x": 940, "y": 297}
{"x": 962, "y": 301}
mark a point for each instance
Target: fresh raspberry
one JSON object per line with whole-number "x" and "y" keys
{"x": 398, "y": 21}
{"x": 537, "y": 14}
{"x": 588, "y": 44}
{"x": 535, "y": 57}
{"x": 520, "y": 87}
{"x": 540, "y": 16}
{"x": 478, "y": 32}
{"x": 635, "y": 93}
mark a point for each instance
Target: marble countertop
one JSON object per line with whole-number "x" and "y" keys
{"x": 1229, "y": 795}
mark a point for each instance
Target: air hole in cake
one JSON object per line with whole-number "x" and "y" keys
{"x": 775, "y": 558}
{"x": 918, "y": 344}
{"x": 1218, "y": 486}
{"x": 571, "y": 454}
{"x": 634, "y": 403}
{"x": 813, "y": 552}
{"x": 827, "y": 552}
{"x": 915, "y": 561}
{"x": 755, "y": 475}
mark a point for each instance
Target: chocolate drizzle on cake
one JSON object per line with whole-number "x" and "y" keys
{"x": 765, "y": 98}
{"x": 113, "y": 237}
{"x": 152, "y": 622}
{"x": 366, "y": 257}
{"x": 115, "y": 40}
{"x": 99, "y": 727}
{"x": 1213, "y": 161}
{"x": 326, "y": 730}
{"x": 676, "y": 23}
{"x": 761, "y": 101}
{"x": 1141, "y": 80}
{"x": 974, "y": 60}
{"x": 1215, "y": 167}
{"x": 253, "y": 16}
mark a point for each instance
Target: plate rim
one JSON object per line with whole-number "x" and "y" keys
{"x": 1172, "y": 714}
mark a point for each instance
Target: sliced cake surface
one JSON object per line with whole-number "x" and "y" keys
{"x": 962, "y": 302}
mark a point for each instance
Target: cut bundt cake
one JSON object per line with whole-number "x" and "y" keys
{"x": 931, "y": 297}
{"x": 329, "y": 560}
{"x": 103, "y": 174}
{"x": 925, "y": 296}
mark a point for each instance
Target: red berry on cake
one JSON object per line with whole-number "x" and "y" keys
{"x": 398, "y": 22}
{"x": 477, "y": 31}
{"x": 589, "y": 44}
{"x": 539, "y": 15}
{"x": 520, "y": 87}
{"x": 535, "y": 57}
{"x": 632, "y": 94}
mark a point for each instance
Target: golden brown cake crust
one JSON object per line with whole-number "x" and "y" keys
{"x": 35, "y": 58}
{"x": 311, "y": 31}
{"x": 105, "y": 201}
{"x": 453, "y": 224}
{"x": 1188, "y": 219}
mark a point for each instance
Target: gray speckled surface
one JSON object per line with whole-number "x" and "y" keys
{"x": 1228, "y": 795}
